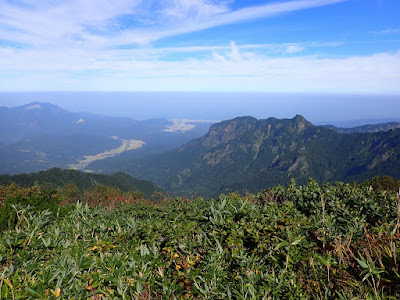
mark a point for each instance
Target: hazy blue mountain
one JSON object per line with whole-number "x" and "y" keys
{"x": 366, "y": 128}
{"x": 39, "y": 136}
{"x": 250, "y": 154}
{"x": 359, "y": 122}
{"x": 47, "y": 119}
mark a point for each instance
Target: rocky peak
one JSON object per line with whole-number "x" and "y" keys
{"x": 300, "y": 123}
{"x": 229, "y": 130}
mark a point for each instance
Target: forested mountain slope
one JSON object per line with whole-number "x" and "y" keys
{"x": 55, "y": 178}
{"x": 250, "y": 154}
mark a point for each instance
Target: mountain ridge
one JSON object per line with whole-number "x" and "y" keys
{"x": 237, "y": 154}
{"x": 246, "y": 153}
{"x": 366, "y": 128}
{"x": 57, "y": 178}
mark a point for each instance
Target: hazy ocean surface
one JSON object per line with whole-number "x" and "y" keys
{"x": 317, "y": 108}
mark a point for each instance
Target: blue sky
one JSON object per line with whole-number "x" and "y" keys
{"x": 291, "y": 46}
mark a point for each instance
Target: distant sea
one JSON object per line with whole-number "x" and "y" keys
{"x": 317, "y": 108}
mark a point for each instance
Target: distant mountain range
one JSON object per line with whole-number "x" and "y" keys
{"x": 250, "y": 154}
{"x": 366, "y": 128}
{"x": 360, "y": 122}
{"x": 39, "y": 136}
{"x": 185, "y": 157}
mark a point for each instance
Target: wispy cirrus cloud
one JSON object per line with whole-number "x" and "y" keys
{"x": 103, "y": 23}
{"x": 209, "y": 18}
{"x": 48, "y": 23}
{"x": 387, "y": 31}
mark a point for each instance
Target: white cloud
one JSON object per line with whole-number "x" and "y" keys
{"x": 229, "y": 68}
{"x": 388, "y": 31}
{"x": 234, "y": 54}
{"x": 293, "y": 49}
{"x": 70, "y": 45}
{"x": 183, "y": 9}
{"x": 218, "y": 57}
{"x": 51, "y": 23}
{"x": 81, "y": 59}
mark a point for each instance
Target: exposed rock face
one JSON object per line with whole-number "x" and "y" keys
{"x": 229, "y": 130}
{"x": 301, "y": 123}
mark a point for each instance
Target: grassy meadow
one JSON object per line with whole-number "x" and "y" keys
{"x": 330, "y": 241}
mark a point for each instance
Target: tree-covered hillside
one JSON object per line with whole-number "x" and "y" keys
{"x": 56, "y": 178}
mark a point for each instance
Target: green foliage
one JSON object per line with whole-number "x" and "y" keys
{"x": 71, "y": 180}
{"x": 383, "y": 183}
{"x": 295, "y": 242}
{"x": 37, "y": 199}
